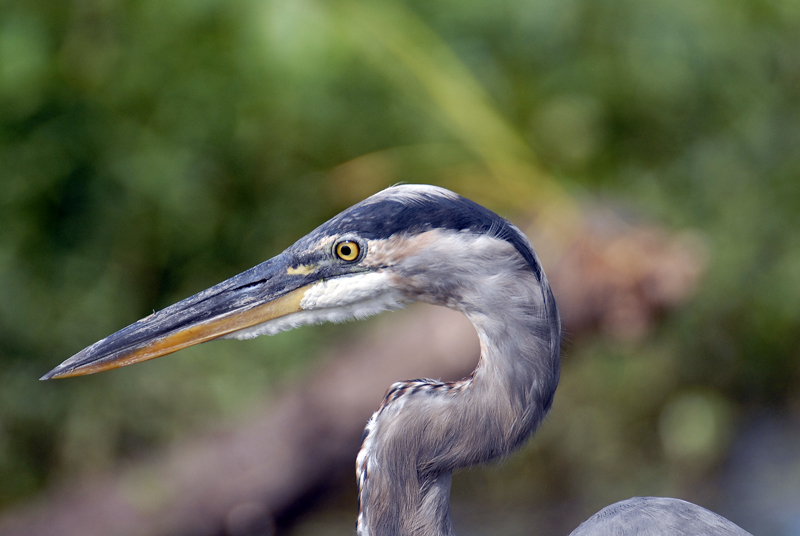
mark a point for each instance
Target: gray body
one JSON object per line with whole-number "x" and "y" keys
{"x": 657, "y": 516}
{"x": 410, "y": 243}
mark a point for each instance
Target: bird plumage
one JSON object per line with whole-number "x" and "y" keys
{"x": 406, "y": 243}
{"x": 425, "y": 429}
{"x": 657, "y": 516}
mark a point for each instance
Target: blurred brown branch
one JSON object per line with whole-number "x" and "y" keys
{"x": 609, "y": 275}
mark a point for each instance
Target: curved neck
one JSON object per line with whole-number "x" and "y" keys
{"x": 425, "y": 429}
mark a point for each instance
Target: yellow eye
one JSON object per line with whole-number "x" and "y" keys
{"x": 347, "y": 250}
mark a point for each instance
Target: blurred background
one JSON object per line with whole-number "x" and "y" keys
{"x": 151, "y": 149}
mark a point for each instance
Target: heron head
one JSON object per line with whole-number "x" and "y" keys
{"x": 397, "y": 246}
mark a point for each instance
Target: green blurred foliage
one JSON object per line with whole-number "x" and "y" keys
{"x": 150, "y": 149}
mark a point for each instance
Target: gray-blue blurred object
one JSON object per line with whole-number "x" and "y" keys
{"x": 651, "y": 516}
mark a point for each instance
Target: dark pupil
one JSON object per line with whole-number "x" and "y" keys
{"x": 345, "y": 251}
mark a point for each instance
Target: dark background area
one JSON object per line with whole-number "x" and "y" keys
{"x": 151, "y": 149}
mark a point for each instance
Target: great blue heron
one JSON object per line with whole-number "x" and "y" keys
{"x": 410, "y": 243}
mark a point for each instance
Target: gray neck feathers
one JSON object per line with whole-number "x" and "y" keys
{"x": 425, "y": 429}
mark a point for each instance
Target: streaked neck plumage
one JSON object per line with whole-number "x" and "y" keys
{"x": 425, "y": 429}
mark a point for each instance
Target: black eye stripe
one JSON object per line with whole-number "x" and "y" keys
{"x": 411, "y": 209}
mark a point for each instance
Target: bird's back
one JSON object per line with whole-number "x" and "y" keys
{"x": 651, "y": 516}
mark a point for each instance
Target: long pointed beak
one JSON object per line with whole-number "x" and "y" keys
{"x": 267, "y": 291}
